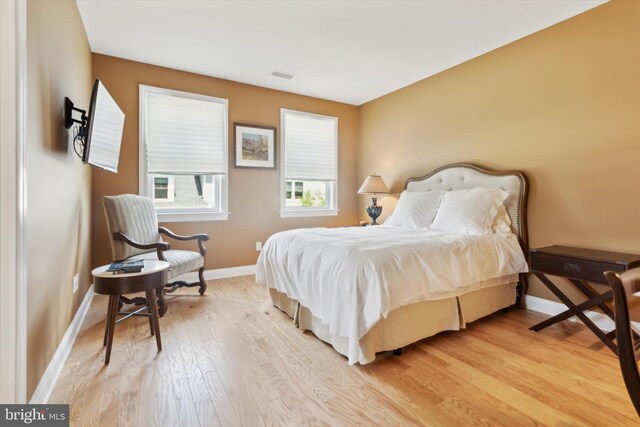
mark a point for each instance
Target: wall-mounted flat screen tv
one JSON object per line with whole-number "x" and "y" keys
{"x": 104, "y": 130}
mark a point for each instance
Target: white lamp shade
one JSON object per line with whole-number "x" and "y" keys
{"x": 373, "y": 185}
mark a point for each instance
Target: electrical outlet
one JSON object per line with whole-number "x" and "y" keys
{"x": 258, "y": 246}
{"x": 76, "y": 283}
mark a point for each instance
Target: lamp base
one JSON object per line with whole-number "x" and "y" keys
{"x": 374, "y": 210}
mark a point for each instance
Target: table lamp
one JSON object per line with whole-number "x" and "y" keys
{"x": 374, "y": 185}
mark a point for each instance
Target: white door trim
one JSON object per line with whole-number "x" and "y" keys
{"x": 13, "y": 295}
{"x": 21, "y": 244}
{"x": 8, "y": 196}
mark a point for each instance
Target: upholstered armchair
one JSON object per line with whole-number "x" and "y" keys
{"x": 133, "y": 227}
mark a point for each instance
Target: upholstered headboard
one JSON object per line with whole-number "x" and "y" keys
{"x": 460, "y": 176}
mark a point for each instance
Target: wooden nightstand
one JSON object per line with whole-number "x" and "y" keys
{"x": 579, "y": 265}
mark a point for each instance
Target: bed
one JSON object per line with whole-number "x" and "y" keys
{"x": 366, "y": 290}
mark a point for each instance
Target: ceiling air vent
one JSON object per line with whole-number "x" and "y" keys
{"x": 282, "y": 74}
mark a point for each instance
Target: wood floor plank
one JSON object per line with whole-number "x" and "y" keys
{"x": 596, "y": 366}
{"x": 325, "y": 382}
{"x": 176, "y": 371}
{"x": 468, "y": 401}
{"x": 207, "y": 414}
{"x": 165, "y": 401}
{"x": 501, "y": 390}
{"x": 136, "y": 377}
{"x": 230, "y": 358}
{"x": 539, "y": 381}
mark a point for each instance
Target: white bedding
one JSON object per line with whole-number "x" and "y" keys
{"x": 352, "y": 277}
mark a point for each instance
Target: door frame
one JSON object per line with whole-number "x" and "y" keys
{"x": 13, "y": 283}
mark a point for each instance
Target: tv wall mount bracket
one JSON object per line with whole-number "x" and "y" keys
{"x": 79, "y": 137}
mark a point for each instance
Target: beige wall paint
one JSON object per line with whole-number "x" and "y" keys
{"x": 58, "y": 184}
{"x": 562, "y": 105}
{"x": 253, "y": 193}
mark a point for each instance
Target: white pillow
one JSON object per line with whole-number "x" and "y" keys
{"x": 415, "y": 209}
{"x": 502, "y": 222}
{"x": 470, "y": 211}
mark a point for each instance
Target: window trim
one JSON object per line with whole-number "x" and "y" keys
{"x": 145, "y": 180}
{"x": 293, "y": 212}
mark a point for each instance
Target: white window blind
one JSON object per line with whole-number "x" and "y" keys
{"x": 310, "y": 146}
{"x": 185, "y": 134}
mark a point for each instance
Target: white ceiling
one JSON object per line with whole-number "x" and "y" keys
{"x": 348, "y": 51}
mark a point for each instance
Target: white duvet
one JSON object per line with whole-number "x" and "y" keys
{"x": 352, "y": 277}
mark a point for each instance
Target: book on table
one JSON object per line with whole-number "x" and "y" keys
{"x": 133, "y": 266}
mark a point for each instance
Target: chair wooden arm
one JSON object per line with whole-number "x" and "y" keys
{"x": 200, "y": 237}
{"x": 165, "y": 230}
{"x": 158, "y": 246}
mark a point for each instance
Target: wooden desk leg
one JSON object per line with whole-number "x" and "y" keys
{"x": 583, "y": 317}
{"x": 599, "y": 333}
{"x": 113, "y": 312}
{"x": 151, "y": 297}
{"x": 590, "y": 293}
{"x": 573, "y": 311}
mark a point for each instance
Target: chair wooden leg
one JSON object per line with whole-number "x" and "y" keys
{"x": 113, "y": 313}
{"x": 203, "y": 283}
{"x": 106, "y": 322}
{"x": 151, "y": 297}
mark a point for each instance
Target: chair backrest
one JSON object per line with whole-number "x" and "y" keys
{"x": 136, "y": 217}
{"x": 623, "y": 287}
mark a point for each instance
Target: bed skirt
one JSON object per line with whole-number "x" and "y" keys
{"x": 407, "y": 324}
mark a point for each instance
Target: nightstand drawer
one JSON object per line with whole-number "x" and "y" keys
{"x": 572, "y": 267}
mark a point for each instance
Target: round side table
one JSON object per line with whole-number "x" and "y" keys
{"x": 153, "y": 276}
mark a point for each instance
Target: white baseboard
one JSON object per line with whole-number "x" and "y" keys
{"x": 552, "y": 308}
{"x": 220, "y": 273}
{"x": 48, "y": 380}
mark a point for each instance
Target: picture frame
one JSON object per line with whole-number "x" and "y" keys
{"x": 254, "y": 146}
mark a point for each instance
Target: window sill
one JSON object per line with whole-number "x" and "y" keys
{"x": 308, "y": 213}
{"x": 192, "y": 216}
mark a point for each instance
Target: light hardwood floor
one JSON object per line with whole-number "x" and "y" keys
{"x": 230, "y": 358}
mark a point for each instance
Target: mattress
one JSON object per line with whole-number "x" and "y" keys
{"x": 353, "y": 277}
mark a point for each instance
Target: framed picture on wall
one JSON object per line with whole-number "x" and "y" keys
{"x": 255, "y": 146}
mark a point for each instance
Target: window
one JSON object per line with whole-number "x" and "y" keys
{"x": 307, "y": 194}
{"x": 183, "y": 154}
{"x": 309, "y": 174}
{"x": 161, "y": 187}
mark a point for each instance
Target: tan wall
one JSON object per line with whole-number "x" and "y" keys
{"x": 562, "y": 105}
{"x": 58, "y": 184}
{"x": 253, "y": 193}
